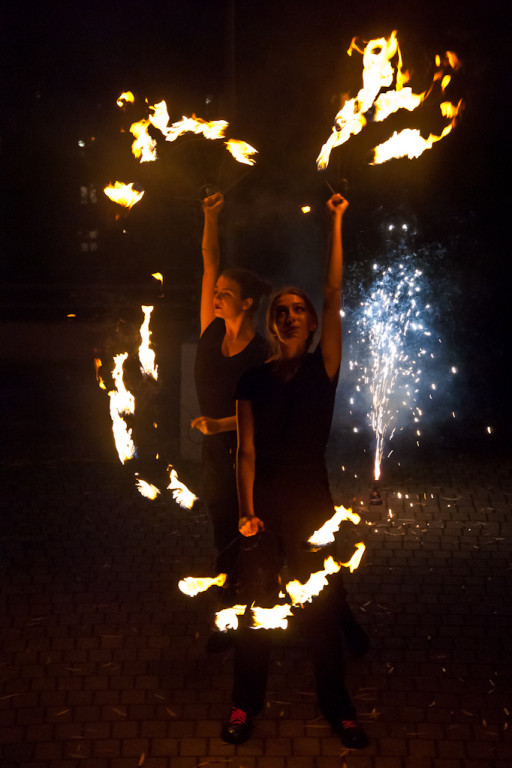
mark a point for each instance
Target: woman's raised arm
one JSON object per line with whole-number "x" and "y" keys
{"x": 330, "y": 337}
{"x": 212, "y": 206}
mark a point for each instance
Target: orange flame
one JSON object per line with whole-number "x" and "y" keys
{"x": 144, "y": 146}
{"x": 97, "y": 365}
{"x": 325, "y": 534}
{"x": 241, "y": 151}
{"x": 127, "y": 96}
{"x": 270, "y": 618}
{"x": 180, "y": 492}
{"x": 123, "y": 194}
{"x": 147, "y": 356}
{"x": 378, "y": 73}
{"x": 122, "y": 402}
{"x": 355, "y": 560}
{"x": 148, "y": 490}
{"x": 192, "y": 586}
{"x": 227, "y": 618}
{"x": 304, "y": 593}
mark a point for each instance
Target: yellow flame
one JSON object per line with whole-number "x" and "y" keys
{"x": 160, "y": 277}
{"x": 123, "y": 194}
{"x": 270, "y": 618}
{"x": 148, "y": 490}
{"x": 147, "y": 356}
{"x": 325, "y": 534}
{"x": 192, "y": 586}
{"x": 378, "y": 73}
{"x": 212, "y": 130}
{"x": 97, "y": 365}
{"x": 180, "y": 492}
{"x": 127, "y": 96}
{"x": 122, "y": 402}
{"x": 304, "y": 593}
{"x": 227, "y": 618}
{"x": 355, "y": 560}
{"x": 241, "y": 151}
{"x": 144, "y": 146}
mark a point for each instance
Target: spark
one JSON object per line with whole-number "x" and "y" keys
{"x": 390, "y": 336}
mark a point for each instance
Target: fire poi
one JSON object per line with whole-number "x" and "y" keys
{"x": 122, "y": 407}
{"x": 384, "y": 92}
{"x": 296, "y": 593}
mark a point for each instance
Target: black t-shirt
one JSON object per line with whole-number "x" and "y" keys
{"x": 292, "y": 419}
{"x": 216, "y": 375}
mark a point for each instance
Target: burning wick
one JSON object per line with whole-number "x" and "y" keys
{"x": 124, "y": 194}
{"x": 193, "y": 586}
{"x": 147, "y": 490}
{"x": 325, "y": 534}
{"x": 146, "y": 355}
{"x": 180, "y": 492}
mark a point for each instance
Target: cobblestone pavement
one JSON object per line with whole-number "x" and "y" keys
{"x": 103, "y": 660}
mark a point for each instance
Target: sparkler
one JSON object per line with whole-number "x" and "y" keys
{"x": 391, "y": 344}
{"x": 383, "y": 69}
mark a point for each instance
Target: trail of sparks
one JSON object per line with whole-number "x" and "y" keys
{"x": 395, "y": 342}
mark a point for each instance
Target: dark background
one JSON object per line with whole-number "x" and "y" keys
{"x": 275, "y": 71}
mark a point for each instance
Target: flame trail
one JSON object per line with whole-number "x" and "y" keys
{"x": 147, "y": 356}
{"x": 325, "y": 534}
{"x": 122, "y": 403}
{"x": 383, "y": 69}
{"x": 123, "y": 194}
{"x": 180, "y": 492}
{"x": 394, "y": 342}
{"x": 148, "y": 490}
{"x": 192, "y": 586}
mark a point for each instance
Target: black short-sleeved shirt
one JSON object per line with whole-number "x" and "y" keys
{"x": 216, "y": 375}
{"x": 292, "y": 419}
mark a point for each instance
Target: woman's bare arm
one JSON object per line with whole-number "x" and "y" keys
{"x": 330, "y": 338}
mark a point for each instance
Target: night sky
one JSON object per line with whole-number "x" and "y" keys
{"x": 275, "y": 71}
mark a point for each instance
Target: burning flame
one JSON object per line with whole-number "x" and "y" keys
{"x": 354, "y": 561}
{"x": 325, "y": 534}
{"x": 127, "y": 96}
{"x": 144, "y": 146}
{"x": 122, "y": 403}
{"x": 192, "y": 586}
{"x": 271, "y": 618}
{"x": 123, "y": 194}
{"x": 371, "y": 104}
{"x": 97, "y": 365}
{"x": 227, "y": 618}
{"x": 241, "y": 151}
{"x": 160, "y": 277}
{"x": 304, "y": 593}
{"x": 147, "y": 490}
{"x": 147, "y": 356}
{"x": 180, "y": 492}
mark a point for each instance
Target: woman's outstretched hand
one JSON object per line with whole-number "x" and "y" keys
{"x": 206, "y": 425}
{"x": 250, "y": 526}
{"x": 337, "y": 205}
{"x": 212, "y": 205}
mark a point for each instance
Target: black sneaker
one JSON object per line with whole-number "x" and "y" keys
{"x": 238, "y": 728}
{"x": 351, "y": 734}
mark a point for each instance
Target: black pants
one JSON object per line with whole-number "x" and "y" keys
{"x": 219, "y": 492}
{"x": 321, "y": 625}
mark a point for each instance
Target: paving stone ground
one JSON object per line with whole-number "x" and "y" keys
{"x": 103, "y": 661}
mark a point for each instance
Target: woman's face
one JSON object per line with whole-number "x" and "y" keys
{"x": 293, "y": 320}
{"x": 227, "y": 299}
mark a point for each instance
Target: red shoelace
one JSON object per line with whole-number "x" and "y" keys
{"x": 238, "y": 716}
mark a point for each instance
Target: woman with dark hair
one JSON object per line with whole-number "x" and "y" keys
{"x": 228, "y": 346}
{"x": 284, "y": 414}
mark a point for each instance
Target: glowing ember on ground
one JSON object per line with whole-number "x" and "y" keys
{"x": 123, "y": 194}
{"x": 192, "y": 586}
{"x": 122, "y": 403}
{"x": 180, "y": 492}
{"x": 147, "y": 355}
{"x": 148, "y": 490}
{"x": 325, "y": 534}
{"x": 382, "y": 69}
